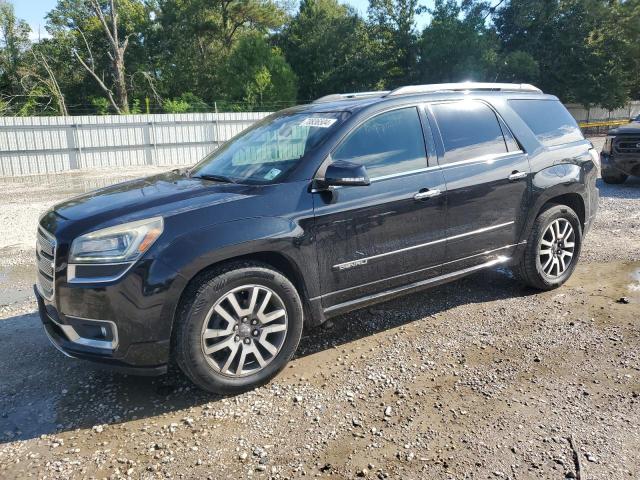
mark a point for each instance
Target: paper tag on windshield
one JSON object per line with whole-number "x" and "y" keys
{"x": 318, "y": 122}
{"x": 271, "y": 174}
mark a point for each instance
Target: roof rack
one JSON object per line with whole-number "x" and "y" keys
{"x": 462, "y": 86}
{"x": 347, "y": 96}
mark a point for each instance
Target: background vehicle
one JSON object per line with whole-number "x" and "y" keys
{"x": 620, "y": 155}
{"x": 317, "y": 210}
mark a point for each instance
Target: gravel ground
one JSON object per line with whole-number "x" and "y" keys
{"x": 480, "y": 378}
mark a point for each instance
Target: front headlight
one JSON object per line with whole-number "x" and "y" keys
{"x": 608, "y": 144}
{"x": 121, "y": 243}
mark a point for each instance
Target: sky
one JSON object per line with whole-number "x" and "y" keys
{"x": 34, "y": 11}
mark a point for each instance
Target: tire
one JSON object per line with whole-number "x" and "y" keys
{"x": 533, "y": 268}
{"x": 208, "y": 318}
{"x": 613, "y": 177}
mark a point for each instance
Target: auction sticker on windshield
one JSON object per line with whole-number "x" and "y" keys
{"x": 318, "y": 122}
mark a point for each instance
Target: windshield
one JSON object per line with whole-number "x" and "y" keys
{"x": 267, "y": 151}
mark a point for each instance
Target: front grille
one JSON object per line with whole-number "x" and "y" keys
{"x": 625, "y": 144}
{"x": 45, "y": 262}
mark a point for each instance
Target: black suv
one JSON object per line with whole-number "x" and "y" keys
{"x": 621, "y": 153}
{"x": 314, "y": 211}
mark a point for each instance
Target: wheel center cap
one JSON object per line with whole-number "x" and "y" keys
{"x": 244, "y": 330}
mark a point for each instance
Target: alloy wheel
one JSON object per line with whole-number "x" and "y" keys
{"x": 557, "y": 247}
{"x": 244, "y": 330}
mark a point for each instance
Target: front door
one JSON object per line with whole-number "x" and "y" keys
{"x": 387, "y": 234}
{"x": 487, "y": 176}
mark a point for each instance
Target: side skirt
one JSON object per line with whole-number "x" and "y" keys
{"x": 412, "y": 287}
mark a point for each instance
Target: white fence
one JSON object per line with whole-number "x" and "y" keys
{"x": 596, "y": 114}
{"x": 38, "y": 145}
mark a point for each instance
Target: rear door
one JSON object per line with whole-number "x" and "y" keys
{"x": 387, "y": 234}
{"x": 487, "y": 177}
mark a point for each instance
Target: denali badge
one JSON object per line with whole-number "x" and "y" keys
{"x": 354, "y": 263}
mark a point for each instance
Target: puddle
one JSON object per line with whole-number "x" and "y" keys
{"x": 16, "y": 283}
{"x": 612, "y": 280}
{"x": 634, "y": 286}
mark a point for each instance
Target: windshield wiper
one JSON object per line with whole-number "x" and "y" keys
{"x": 216, "y": 178}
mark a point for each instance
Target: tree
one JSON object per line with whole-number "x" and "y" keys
{"x": 102, "y": 31}
{"x": 39, "y": 77}
{"x": 393, "y": 28}
{"x": 329, "y": 49}
{"x": 194, "y": 38}
{"x": 577, "y": 45}
{"x": 457, "y": 45}
{"x": 14, "y": 49}
{"x": 258, "y": 75}
{"x": 518, "y": 67}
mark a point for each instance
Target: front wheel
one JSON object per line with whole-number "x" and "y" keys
{"x": 238, "y": 327}
{"x": 552, "y": 250}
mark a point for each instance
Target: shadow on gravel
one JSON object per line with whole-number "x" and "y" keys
{"x": 43, "y": 392}
{"x": 629, "y": 189}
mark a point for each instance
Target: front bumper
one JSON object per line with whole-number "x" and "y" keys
{"x": 628, "y": 164}
{"x": 147, "y": 358}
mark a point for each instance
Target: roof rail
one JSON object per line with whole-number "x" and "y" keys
{"x": 462, "y": 86}
{"x": 346, "y": 96}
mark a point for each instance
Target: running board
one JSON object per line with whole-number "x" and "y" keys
{"x": 395, "y": 292}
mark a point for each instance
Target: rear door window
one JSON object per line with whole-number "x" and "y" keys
{"x": 549, "y": 121}
{"x": 469, "y": 130}
{"x": 386, "y": 144}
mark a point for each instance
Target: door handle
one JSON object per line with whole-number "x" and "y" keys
{"x": 517, "y": 176}
{"x": 422, "y": 195}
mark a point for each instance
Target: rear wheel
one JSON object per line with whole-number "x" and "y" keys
{"x": 552, "y": 250}
{"x": 238, "y": 328}
{"x": 613, "y": 176}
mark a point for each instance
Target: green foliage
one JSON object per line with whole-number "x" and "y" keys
{"x": 187, "y": 102}
{"x": 101, "y": 105}
{"x": 518, "y": 67}
{"x": 329, "y": 48}
{"x": 456, "y": 47}
{"x": 135, "y": 107}
{"x": 392, "y": 26}
{"x": 14, "y": 45}
{"x": 176, "y": 106}
{"x": 258, "y": 75}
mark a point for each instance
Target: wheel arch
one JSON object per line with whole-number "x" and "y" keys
{"x": 270, "y": 259}
{"x": 572, "y": 200}
{"x": 556, "y": 195}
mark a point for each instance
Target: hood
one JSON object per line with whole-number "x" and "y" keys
{"x": 632, "y": 128}
{"x": 169, "y": 192}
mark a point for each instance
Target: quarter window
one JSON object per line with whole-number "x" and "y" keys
{"x": 550, "y": 122}
{"x": 469, "y": 129}
{"x": 386, "y": 144}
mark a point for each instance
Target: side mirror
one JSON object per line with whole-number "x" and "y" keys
{"x": 344, "y": 174}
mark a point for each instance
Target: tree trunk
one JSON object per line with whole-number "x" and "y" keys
{"x": 120, "y": 82}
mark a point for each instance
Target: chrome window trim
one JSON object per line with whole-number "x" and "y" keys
{"x": 383, "y": 177}
{"x": 403, "y": 174}
{"x": 71, "y": 273}
{"x": 486, "y": 252}
{"x": 483, "y": 159}
{"x": 344, "y": 265}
